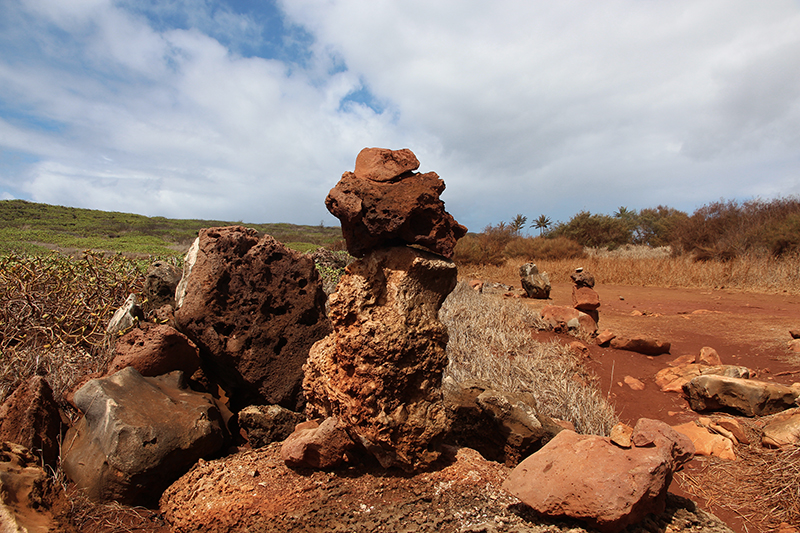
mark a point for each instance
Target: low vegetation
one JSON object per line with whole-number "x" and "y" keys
{"x": 38, "y": 228}
{"x": 490, "y": 341}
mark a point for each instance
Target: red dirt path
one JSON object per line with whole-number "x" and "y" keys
{"x": 746, "y": 329}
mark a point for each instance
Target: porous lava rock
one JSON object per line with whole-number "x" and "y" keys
{"x": 315, "y": 445}
{"x": 268, "y": 423}
{"x": 160, "y": 282}
{"x": 404, "y": 210}
{"x": 29, "y": 417}
{"x": 138, "y": 435}
{"x": 254, "y": 308}
{"x": 155, "y": 349}
{"x": 380, "y": 370}
{"x": 562, "y": 318}
{"x": 27, "y": 493}
{"x": 382, "y": 164}
{"x": 590, "y": 478}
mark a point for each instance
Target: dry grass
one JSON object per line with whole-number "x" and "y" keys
{"x": 490, "y": 340}
{"x": 761, "y": 487}
{"x": 753, "y": 272}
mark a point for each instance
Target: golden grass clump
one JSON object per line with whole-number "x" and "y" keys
{"x": 491, "y": 341}
{"x": 761, "y": 486}
{"x": 749, "y": 272}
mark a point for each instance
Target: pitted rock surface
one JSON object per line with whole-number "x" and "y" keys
{"x": 30, "y": 417}
{"x": 380, "y": 371}
{"x": 406, "y": 210}
{"x": 254, "y": 308}
{"x": 382, "y": 164}
{"x": 155, "y": 349}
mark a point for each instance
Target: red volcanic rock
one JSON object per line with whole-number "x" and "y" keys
{"x": 381, "y": 164}
{"x": 404, "y": 211}
{"x": 254, "y": 308}
{"x": 317, "y": 445}
{"x": 589, "y": 478}
{"x": 585, "y": 299}
{"x": 154, "y": 350}
{"x": 566, "y": 318}
{"x": 30, "y": 418}
{"x": 642, "y": 345}
{"x": 380, "y": 371}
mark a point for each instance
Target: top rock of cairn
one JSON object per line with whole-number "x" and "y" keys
{"x": 385, "y": 203}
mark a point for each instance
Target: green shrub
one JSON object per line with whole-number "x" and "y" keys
{"x": 595, "y": 231}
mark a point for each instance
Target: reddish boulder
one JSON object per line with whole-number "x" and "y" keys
{"x": 642, "y": 345}
{"x": 585, "y": 299}
{"x": 709, "y": 356}
{"x": 589, "y": 478}
{"x": 404, "y": 211}
{"x": 316, "y": 445}
{"x": 30, "y": 417}
{"x": 154, "y": 350}
{"x": 254, "y": 308}
{"x": 380, "y": 371}
{"x": 382, "y": 164}
{"x": 566, "y": 318}
{"x": 746, "y": 396}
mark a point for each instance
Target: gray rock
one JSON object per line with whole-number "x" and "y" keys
{"x": 746, "y": 396}
{"x": 138, "y": 435}
{"x": 536, "y": 285}
{"x": 125, "y": 317}
{"x": 268, "y": 423}
{"x": 160, "y": 283}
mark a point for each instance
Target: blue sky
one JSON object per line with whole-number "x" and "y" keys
{"x": 251, "y": 110}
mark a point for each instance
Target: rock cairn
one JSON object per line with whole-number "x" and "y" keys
{"x": 584, "y": 297}
{"x": 379, "y": 372}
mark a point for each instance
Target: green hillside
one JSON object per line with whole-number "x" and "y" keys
{"x": 37, "y": 228}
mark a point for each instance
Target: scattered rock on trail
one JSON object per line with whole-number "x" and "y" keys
{"x": 642, "y": 345}
{"x": 562, "y": 318}
{"x": 709, "y": 356}
{"x": 254, "y": 308}
{"x": 137, "y": 435}
{"x": 404, "y": 210}
{"x": 672, "y": 379}
{"x": 30, "y": 417}
{"x": 380, "y": 370}
{"x": 746, "y": 396}
{"x": 589, "y": 478}
{"x": 707, "y": 442}
{"x": 268, "y": 423}
{"x": 155, "y": 349}
{"x": 536, "y": 285}
{"x": 782, "y": 429}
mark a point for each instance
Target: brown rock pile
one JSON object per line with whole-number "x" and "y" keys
{"x": 385, "y": 203}
{"x": 379, "y": 373}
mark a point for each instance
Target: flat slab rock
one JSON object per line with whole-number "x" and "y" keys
{"x": 255, "y": 491}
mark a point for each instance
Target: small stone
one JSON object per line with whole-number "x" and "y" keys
{"x": 633, "y": 383}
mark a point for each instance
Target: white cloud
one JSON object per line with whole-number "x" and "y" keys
{"x": 521, "y": 107}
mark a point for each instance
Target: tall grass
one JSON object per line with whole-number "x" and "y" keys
{"x": 752, "y": 272}
{"x": 491, "y": 341}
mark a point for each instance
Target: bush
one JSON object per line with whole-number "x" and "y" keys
{"x": 485, "y": 248}
{"x": 596, "y": 231}
{"x": 533, "y": 248}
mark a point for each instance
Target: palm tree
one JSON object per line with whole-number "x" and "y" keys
{"x": 518, "y": 223}
{"x": 541, "y": 223}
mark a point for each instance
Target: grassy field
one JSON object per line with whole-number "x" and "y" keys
{"x": 37, "y": 228}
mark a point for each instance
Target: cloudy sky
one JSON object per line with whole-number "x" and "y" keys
{"x": 251, "y": 110}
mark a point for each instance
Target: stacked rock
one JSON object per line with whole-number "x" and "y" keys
{"x": 379, "y": 373}
{"x": 584, "y": 297}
